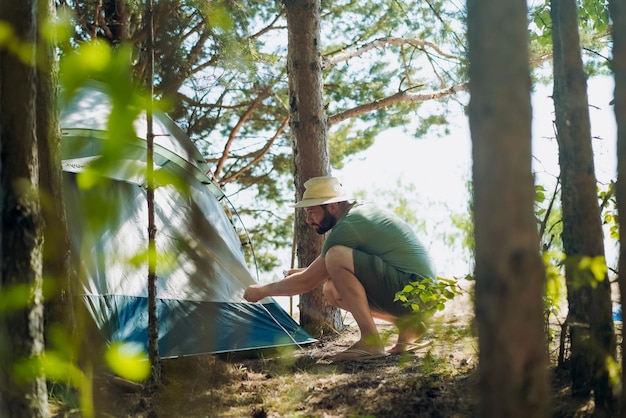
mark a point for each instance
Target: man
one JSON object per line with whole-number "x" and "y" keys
{"x": 368, "y": 256}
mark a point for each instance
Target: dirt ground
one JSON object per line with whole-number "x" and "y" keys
{"x": 438, "y": 381}
{"x": 305, "y": 383}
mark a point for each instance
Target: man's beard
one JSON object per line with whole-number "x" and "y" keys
{"x": 327, "y": 222}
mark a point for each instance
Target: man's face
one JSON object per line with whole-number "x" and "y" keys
{"x": 320, "y": 218}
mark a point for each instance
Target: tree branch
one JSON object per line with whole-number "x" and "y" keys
{"x": 381, "y": 43}
{"x": 544, "y": 222}
{"x": 269, "y": 27}
{"x": 258, "y": 155}
{"x": 233, "y": 133}
{"x": 400, "y": 97}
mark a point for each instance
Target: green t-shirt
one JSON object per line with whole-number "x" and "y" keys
{"x": 380, "y": 232}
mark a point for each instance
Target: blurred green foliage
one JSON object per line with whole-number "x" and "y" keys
{"x": 128, "y": 361}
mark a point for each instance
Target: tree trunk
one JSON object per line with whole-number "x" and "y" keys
{"x": 115, "y": 18}
{"x": 56, "y": 253}
{"x": 618, "y": 15}
{"x": 308, "y": 122}
{"x": 509, "y": 272}
{"x": 590, "y": 318}
{"x": 153, "y": 320}
{"x": 21, "y": 329}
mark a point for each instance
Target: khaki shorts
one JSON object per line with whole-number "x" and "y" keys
{"x": 381, "y": 282}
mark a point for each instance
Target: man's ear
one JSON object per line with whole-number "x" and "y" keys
{"x": 333, "y": 207}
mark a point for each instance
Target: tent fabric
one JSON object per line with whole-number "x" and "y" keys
{"x": 202, "y": 270}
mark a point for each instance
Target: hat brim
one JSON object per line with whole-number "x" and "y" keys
{"x": 307, "y": 203}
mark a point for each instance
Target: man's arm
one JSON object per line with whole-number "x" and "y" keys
{"x": 294, "y": 284}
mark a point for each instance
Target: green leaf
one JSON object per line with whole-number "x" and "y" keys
{"x": 6, "y": 33}
{"x": 219, "y": 16}
{"x": 128, "y": 361}
{"x": 14, "y": 297}
{"x": 598, "y": 268}
{"x": 57, "y": 30}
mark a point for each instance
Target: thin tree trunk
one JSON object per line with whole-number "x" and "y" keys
{"x": 589, "y": 317}
{"x": 155, "y": 377}
{"x": 308, "y": 122}
{"x": 56, "y": 265}
{"x": 21, "y": 329}
{"x": 509, "y": 272}
{"x": 618, "y": 15}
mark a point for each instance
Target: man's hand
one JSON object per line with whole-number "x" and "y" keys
{"x": 254, "y": 293}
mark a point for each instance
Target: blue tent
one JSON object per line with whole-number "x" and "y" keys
{"x": 202, "y": 270}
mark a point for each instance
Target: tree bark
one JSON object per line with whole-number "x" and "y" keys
{"x": 21, "y": 328}
{"x": 590, "y": 318}
{"x": 308, "y": 123}
{"x": 56, "y": 253}
{"x": 618, "y": 15}
{"x": 510, "y": 276}
{"x": 115, "y": 20}
{"x": 153, "y": 320}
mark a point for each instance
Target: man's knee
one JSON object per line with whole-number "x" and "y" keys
{"x": 338, "y": 256}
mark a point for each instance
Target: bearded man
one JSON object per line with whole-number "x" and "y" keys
{"x": 368, "y": 256}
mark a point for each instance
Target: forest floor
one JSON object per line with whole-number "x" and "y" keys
{"x": 438, "y": 381}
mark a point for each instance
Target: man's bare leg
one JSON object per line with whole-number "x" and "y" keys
{"x": 410, "y": 329}
{"x": 345, "y": 291}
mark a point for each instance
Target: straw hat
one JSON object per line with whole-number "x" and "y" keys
{"x": 321, "y": 191}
